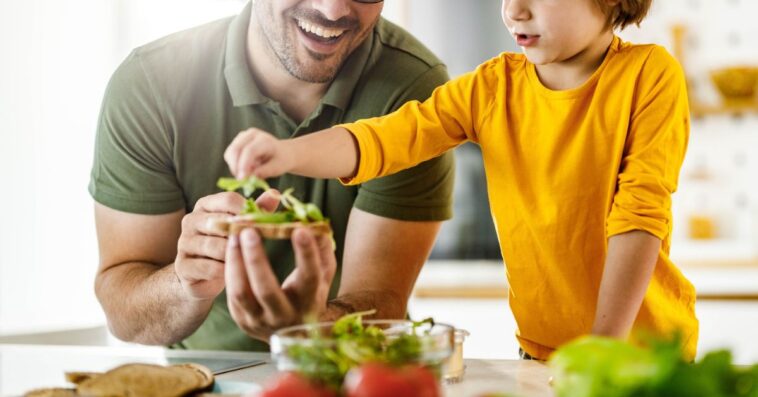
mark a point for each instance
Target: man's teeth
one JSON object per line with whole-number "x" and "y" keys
{"x": 318, "y": 30}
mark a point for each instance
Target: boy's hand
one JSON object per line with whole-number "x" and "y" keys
{"x": 256, "y": 152}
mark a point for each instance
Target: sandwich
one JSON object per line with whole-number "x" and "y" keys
{"x": 290, "y": 215}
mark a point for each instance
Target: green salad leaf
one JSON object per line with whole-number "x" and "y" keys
{"x": 294, "y": 209}
{"x": 594, "y": 366}
{"x": 327, "y": 359}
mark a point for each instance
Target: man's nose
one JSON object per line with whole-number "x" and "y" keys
{"x": 332, "y": 9}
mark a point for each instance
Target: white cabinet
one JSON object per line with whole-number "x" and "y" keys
{"x": 723, "y": 324}
{"x": 729, "y": 324}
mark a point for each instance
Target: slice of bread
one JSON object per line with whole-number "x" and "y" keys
{"x": 147, "y": 380}
{"x": 52, "y": 392}
{"x": 79, "y": 377}
{"x": 275, "y": 231}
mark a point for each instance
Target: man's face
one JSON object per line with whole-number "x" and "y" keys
{"x": 312, "y": 38}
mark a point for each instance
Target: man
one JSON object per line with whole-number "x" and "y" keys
{"x": 289, "y": 67}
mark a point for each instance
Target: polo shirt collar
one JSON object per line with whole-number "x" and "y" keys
{"x": 241, "y": 83}
{"x": 341, "y": 90}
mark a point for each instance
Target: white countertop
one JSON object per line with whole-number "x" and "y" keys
{"x": 25, "y": 367}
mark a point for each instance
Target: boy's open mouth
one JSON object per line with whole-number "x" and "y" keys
{"x": 526, "y": 40}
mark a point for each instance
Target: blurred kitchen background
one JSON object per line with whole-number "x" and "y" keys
{"x": 58, "y": 56}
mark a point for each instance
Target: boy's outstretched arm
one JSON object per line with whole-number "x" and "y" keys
{"x": 330, "y": 153}
{"x": 629, "y": 266}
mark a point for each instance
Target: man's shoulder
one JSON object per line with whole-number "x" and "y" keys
{"x": 399, "y": 69}
{"x": 191, "y": 48}
{"x": 397, "y": 44}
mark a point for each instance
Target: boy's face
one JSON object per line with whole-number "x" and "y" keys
{"x": 312, "y": 38}
{"x": 553, "y": 31}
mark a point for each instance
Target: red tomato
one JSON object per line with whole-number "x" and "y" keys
{"x": 424, "y": 380}
{"x": 290, "y": 384}
{"x": 379, "y": 380}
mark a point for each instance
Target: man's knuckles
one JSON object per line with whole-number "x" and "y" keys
{"x": 224, "y": 202}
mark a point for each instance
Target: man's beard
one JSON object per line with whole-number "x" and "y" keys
{"x": 324, "y": 67}
{"x": 320, "y": 71}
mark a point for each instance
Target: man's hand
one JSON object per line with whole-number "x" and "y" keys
{"x": 256, "y": 302}
{"x": 256, "y": 152}
{"x": 200, "y": 255}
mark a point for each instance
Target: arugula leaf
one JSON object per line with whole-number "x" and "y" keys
{"x": 271, "y": 217}
{"x": 251, "y": 207}
{"x": 248, "y": 185}
{"x": 295, "y": 210}
{"x": 229, "y": 184}
{"x": 350, "y": 324}
{"x": 313, "y": 212}
{"x": 351, "y": 344}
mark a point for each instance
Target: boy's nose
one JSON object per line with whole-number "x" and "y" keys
{"x": 515, "y": 10}
{"x": 332, "y": 9}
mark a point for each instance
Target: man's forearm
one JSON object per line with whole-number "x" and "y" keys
{"x": 629, "y": 267}
{"x": 146, "y": 304}
{"x": 388, "y": 305}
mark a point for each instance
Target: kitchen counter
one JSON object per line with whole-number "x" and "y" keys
{"x": 25, "y": 367}
{"x": 474, "y": 295}
{"x": 485, "y": 279}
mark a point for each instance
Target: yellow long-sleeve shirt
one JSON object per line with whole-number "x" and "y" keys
{"x": 565, "y": 170}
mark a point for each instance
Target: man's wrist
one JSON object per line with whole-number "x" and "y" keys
{"x": 387, "y": 304}
{"x": 337, "y": 308}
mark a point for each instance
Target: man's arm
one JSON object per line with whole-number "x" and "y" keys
{"x": 136, "y": 283}
{"x": 159, "y": 274}
{"x": 629, "y": 266}
{"x": 382, "y": 260}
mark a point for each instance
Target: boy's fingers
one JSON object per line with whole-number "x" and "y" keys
{"x": 232, "y": 153}
{"x": 254, "y": 154}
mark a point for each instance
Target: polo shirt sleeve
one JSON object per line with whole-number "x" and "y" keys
{"x": 654, "y": 150}
{"x": 133, "y": 169}
{"x": 421, "y": 193}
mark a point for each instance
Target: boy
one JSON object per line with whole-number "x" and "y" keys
{"x": 582, "y": 138}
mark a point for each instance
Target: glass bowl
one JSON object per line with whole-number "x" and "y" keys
{"x": 296, "y": 348}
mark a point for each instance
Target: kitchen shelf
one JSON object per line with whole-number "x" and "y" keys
{"x": 700, "y": 110}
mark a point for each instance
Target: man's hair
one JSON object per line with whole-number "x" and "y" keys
{"x": 625, "y": 12}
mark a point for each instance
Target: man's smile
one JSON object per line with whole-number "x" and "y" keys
{"x": 319, "y": 33}
{"x": 319, "y": 30}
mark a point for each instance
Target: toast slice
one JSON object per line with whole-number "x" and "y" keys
{"x": 274, "y": 231}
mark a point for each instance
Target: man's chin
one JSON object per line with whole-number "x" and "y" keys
{"x": 310, "y": 75}
{"x": 316, "y": 70}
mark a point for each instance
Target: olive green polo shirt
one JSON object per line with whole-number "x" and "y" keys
{"x": 174, "y": 105}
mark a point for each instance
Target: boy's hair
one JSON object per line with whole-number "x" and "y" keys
{"x": 625, "y": 12}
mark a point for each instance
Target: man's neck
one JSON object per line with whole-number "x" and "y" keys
{"x": 297, "y": 98}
